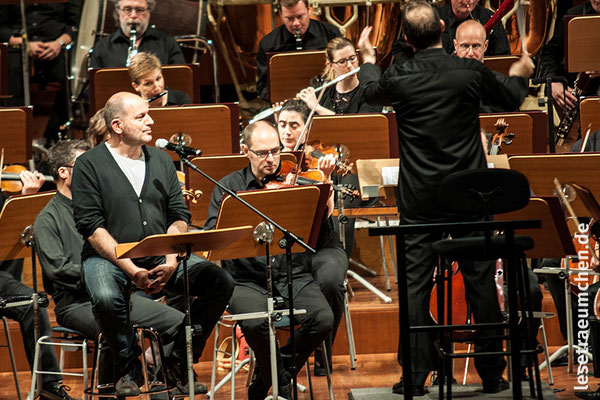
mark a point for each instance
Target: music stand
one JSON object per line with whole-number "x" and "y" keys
{"x": 292, "y": 208}
{"x": 183, "y": 243}
{"x": 583, "y": 43}
{"x": 500, "y": 64}
{"x": 541, "y": 170}
{"x": 16, "y": 234}
{"x": 589, "y": 113}
{"x": 15, "y": 133}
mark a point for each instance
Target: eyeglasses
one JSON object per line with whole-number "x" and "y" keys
{"x": 466, "y": 47}
{"x": 343, "y": 61}
{"x": 265, "y": 153}
{"x": 130, "y": 10}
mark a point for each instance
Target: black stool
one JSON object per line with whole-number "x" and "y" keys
{"x": 477, "y": 194}
{"x": 495, "y": 185}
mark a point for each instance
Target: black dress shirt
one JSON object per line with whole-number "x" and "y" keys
{"x": 177, "y": 98}
{"x": 104, "y": 198}
{"x": 279, "y": 39}
{"x": 251, "y": 271}
{"x": 436, "y": 97}
{"x": 498, "y": 41}
{"x": 45, "y": 21}
{"x": 111, "y": 51}
{"x": 553, "y": 54}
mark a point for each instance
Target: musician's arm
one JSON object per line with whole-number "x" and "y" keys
{"x": 51, "y": 250}
{"x": 175, "y": 53}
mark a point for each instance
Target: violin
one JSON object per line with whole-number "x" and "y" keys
{"x": 315, "y": 150}
{"x": 11, "y": 180}
{"x": 501, "y": 137}
{"x": 288, "y": 176}
{"x": 188, "y": 194}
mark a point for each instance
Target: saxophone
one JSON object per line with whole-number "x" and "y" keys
{"x": 132, "y": 50}
{"x": 566, "y": 122}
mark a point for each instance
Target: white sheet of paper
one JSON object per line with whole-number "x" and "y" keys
{"x": 389, "y": 176}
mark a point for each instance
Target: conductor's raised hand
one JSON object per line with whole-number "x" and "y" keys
{"x": 523, "y": 68}
{"x": 366, "y": 48}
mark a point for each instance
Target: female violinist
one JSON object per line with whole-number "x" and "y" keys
{"x": 330, "y": 263}
{"x": 345, "y": 97}
{"x": 146, "y": 77}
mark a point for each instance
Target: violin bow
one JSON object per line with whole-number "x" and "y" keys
{"x": 303, "y": 138}
{"x": 1, "y": 163}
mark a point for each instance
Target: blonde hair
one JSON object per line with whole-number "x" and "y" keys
{"x": 142, "y": 64}
{"x": 334, "y": 44}
{"x": 97, "y": 131}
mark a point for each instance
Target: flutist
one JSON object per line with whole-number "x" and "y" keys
{"x": 113, "y": 50}
{"x": 346, "y": 96}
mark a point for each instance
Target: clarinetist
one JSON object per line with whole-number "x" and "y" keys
{"x": 113, "y": 50}
{"x": 314, "y": 35}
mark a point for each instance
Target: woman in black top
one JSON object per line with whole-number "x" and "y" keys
{"x": 346, "y": 96}
{"x": 147, "y": 79}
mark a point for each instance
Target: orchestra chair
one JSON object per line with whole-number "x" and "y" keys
{"x": 500, "y": 64}
{"x": 16, "y": 134}
{"x": 104, "y": 82}
{"x": 155, "y": 383}
{"x": 589, "y": 114}
{"x": 291, "y": 71}
{"x": 8, "y": 345}
{"x": 475, "y": 194}
{"x": 226, "y": 322}
{"x": 67, "y": 340}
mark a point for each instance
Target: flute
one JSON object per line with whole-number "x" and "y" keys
{"x": 270, "y": 111}
{"x": 158, "y": 96}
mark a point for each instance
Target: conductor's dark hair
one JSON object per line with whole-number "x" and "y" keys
{"x": 421, "y": 24}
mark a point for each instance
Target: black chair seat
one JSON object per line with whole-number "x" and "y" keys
{"x": 474, "y": 248}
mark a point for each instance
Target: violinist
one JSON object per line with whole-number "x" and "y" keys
{"x": 330, "y": 264}
{"x": 345, "y": 97}
{"x": 262, "y": 148}
{"x": 147, "y": 80}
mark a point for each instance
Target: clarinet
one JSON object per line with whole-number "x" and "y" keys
{"x": 132, "y": 50}
{"x": 566, "y": 122}
{"x": 298, "y": 37}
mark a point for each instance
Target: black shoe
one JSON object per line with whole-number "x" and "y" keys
{"x": 320, "y": 365}
{"x": 417, "y": 390}
{"x": 588, "y": 395}
{"x": 496, "y": 386}
{"x": 55, "y": 391}
{"x": 285, "y": 389}
{"x": 561, "y": 361}
{"x": 126, "y": 386}
{"x": 177, "y": 376}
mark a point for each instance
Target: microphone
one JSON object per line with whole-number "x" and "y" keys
{"x": 177, "y": 148}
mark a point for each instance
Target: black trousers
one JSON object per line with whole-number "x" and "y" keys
{"x": 315, "y": 325}
{"x": 329, "y": 267}
{"x": 481, "y": 294}
{"x": 24, "y": 316}
{"x": 76, "y": 314}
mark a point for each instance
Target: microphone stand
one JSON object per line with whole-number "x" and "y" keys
{"x": 287, "y": 242}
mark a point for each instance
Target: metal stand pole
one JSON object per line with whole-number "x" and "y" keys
{"x": 25, "y": 56}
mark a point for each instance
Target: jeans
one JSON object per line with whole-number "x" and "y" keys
{"x": 109, "y": 289}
